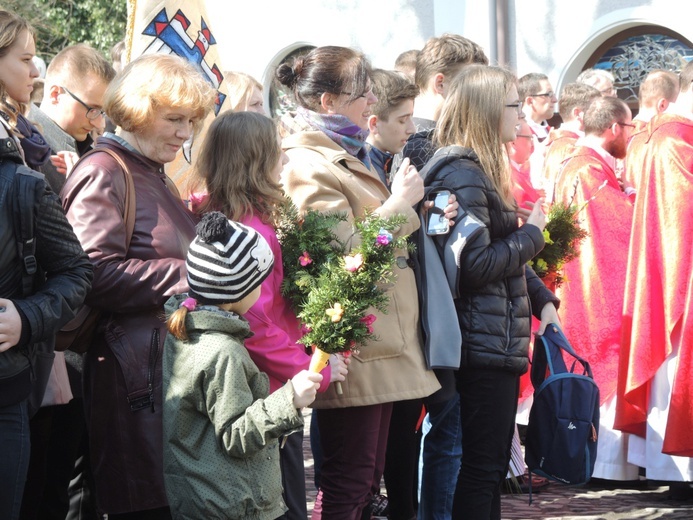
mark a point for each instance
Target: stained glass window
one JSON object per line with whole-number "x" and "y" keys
{"x": 629, "y": 57}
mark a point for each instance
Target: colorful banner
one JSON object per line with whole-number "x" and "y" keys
{"x": 178, "y": 27}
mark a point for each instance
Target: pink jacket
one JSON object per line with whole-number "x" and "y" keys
{"x": 273, "y": 346}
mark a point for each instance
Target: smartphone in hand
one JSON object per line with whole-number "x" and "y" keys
{"x": 437, "y": 223}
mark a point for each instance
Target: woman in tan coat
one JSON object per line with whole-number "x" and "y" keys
{"x": 329, "y": 171}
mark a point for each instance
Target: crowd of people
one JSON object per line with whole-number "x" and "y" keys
{"x": 187, "y": 403}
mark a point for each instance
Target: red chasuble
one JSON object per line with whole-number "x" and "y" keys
{"x": 633, "y": 164}
{"x": 592, "y": 295}
{"x": 559, "y": 145}
{"x": 659, "y": 292}
{"x": 523, "y": 191}
{"x": 638, "y": 125}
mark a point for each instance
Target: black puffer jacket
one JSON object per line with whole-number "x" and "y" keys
{"x": 60, "y": 285}
{"x": 496, "y": 286}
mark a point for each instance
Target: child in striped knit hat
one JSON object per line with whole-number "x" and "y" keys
{"x": 221, "y": 426}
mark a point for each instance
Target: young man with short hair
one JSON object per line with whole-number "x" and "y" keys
{"x": 437, "y": 65}
{"x": 390, "y": 126}
{"x": 538, "y": 102}
{"x": 572, "y": 105}
{"x": 441, "y": 59}
{"x": 390, "y": 123}
{"x": 76, "y": 80}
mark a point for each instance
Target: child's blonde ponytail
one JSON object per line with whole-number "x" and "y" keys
{"x": 176, "y": 321}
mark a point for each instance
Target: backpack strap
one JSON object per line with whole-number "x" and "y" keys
{"x": 549, "y": 359}
{"x": 559, "y": 339}
{"x": 24, "y": 198}
{"x": 27, "y": 189}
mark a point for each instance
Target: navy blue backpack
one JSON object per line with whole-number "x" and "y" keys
{"x": 561, "y": 441}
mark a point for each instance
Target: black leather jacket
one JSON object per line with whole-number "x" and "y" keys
{"x": 498, "y": 292}
{"x": 59, "y": 288}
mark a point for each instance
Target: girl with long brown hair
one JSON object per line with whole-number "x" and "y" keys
{"x": 238, "y": 168}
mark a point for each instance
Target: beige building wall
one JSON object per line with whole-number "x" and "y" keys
{"x": 556, "y": 37}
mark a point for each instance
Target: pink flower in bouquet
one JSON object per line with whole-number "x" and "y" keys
{"x": 353, "y": 263}
{"x": 368, "y": 322}
{"x": 335, "y": 312}
{"x": 305, "y": 329}
{"x": 305, "y": 259}
{"x": 383, "y": 238}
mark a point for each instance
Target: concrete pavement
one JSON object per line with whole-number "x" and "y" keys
{"x": 648, "y": 501}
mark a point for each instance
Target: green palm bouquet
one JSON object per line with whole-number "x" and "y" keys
{"x": 333, "y": 288}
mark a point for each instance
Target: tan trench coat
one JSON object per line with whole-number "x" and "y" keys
{"x": 321, "y": 175}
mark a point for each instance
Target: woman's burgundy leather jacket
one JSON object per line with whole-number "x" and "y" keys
{"x": 122, "y": 371}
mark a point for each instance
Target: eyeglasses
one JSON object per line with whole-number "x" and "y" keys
{"x": 548, "y": 94}
{"x": 517, "y": 106}
{"x": 92, "y": 112}
{"x": 528, "y": 136}
{"x": 630, "y": 125}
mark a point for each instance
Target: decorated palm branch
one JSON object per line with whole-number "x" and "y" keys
{"x": 332, "y": 288}
{"x": 562, "y": 236}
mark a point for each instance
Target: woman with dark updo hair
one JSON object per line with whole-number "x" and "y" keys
{"x": 329, "y": 171}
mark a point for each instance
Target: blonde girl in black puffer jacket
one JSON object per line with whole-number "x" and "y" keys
{"x": 480, "y": 114}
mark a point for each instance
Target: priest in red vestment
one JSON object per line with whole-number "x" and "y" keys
{"x": 657, "y": 91}
{"x": 592, "y": 295}
{"x": 574, "y": 100}
{"x": 519, "y": 152}
{"x": 658, "y": 310}
{"x": 538, "y": 104}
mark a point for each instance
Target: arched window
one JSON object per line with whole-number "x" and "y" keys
{"x": 281, "y": 100}
{"x": 631, "y": 54}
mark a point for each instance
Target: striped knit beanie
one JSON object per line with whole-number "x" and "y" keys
{"x": 226, "y": 261}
